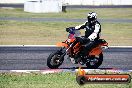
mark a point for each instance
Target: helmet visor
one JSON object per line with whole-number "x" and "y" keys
{"x": 90, "y": 19}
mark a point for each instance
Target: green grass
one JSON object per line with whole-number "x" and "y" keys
{"x": 41, "y": 33}
{"x": 57, "y": 80}
{"x": 121, "y": 13}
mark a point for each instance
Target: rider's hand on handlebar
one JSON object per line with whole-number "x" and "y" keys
{"x": 67, "y": 30}
{"x": 70, "y": 29}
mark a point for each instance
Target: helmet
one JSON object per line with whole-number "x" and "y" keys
{"x": 92, "y": 17}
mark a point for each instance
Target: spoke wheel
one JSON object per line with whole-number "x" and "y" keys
{"x": 93, "y": 62}
{"x": 55, "y": 60}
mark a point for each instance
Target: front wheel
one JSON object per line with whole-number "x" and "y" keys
{"x": 55, "y": 59}
{"x": 94, "y": 61}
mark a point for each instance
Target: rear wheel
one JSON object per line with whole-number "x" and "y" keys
{"x": 54, "y": 60}
{"x": 93, "y": 62}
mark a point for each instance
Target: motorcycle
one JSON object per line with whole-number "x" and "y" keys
{"x": 92, "y": 60}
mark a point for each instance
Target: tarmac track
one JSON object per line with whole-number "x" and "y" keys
{"x": 34, "y": 58}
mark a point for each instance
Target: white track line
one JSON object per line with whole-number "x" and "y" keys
{"x": 63, "y": 70}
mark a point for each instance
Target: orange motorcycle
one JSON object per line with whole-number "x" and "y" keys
{"x": 93, "y": 59}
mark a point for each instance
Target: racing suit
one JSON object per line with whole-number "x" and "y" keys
{"x": 92, "y": 34}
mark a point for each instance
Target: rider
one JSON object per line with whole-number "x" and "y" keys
{"x": 92, "y": 32}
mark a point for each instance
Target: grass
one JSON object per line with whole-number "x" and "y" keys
{"x": 57, "y": 80}
{"x": 117, "y": 13}
{"x": 41, "y": 33}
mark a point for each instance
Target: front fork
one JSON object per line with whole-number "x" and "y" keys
{"x": 62, "y": 53}
{"x": 65, "y": 52}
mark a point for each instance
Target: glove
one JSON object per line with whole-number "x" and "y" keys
{"x": 70, "y": 29}
{"x": 67, "y": 29}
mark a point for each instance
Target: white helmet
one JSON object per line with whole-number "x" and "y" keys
{"x": 92, "y": 17}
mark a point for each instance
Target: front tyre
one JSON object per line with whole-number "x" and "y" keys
{"x": 94, "y": 61}
{"x": 55, "y": 60}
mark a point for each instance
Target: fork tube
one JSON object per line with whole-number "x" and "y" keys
{"x": 69, "y": 47}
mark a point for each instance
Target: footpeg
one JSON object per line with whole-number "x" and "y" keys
{"x": 72, "y": 60}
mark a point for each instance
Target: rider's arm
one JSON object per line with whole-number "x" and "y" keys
{"x": 82, "y": 26}
{"x": 95, "y": 33}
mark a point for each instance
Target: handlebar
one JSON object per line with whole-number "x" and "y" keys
{"x": 73, "y": 32}
{"x": 70, "y": 30}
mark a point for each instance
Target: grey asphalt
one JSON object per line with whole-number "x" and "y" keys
{"x": 34, "y": 58}
{"x": 64, "y": 20}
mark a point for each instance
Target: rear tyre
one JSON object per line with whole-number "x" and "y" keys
{"x": 55, "y": 60}
{"x": 94, "y": 61}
